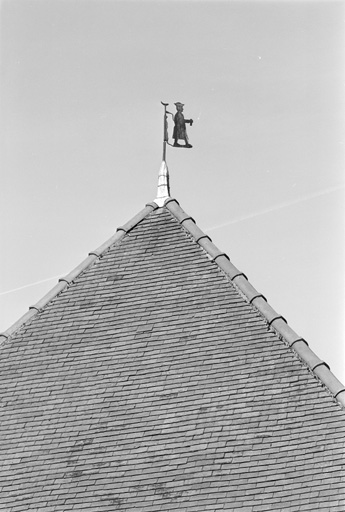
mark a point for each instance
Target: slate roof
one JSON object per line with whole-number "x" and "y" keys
{"x": 154, "y": 377}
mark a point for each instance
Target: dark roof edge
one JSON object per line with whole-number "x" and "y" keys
{"x": 319, "y": 368}
{"x": 66, "y": 281}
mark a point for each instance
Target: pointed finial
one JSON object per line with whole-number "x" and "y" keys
{"x": 163, "y": 189}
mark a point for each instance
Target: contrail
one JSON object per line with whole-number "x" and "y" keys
{"x": 29, "y": 285}
{"x": 278, "y": 207}
{"x": 234, "y": 221}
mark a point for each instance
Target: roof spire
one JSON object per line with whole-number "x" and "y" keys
{"x": 163, "y": 189}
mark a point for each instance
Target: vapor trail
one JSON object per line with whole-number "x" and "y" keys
{"x": 29, "y": 285}
{"x": 234, "y": 221}
{"x": 278, "y": 207}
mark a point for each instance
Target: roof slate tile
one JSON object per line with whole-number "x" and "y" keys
{"x": 154, "y": 382}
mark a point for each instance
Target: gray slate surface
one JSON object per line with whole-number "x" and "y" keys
{"x": 151, "y": 385}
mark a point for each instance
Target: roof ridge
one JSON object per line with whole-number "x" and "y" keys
{"x": 296, "y": 343}
{"x": 66, "y": 281}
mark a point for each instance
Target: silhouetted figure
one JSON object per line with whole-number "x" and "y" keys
{"x": 180, "y": 132}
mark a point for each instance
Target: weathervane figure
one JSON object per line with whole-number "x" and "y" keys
{"x": 180, "y": 132}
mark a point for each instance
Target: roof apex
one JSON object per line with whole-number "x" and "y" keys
{"x": 274, "y": 320}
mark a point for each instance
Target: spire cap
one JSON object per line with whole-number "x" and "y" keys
{"x": 163, "y": 188}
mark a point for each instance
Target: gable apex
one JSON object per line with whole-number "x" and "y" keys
{"x": 257, "y": 300}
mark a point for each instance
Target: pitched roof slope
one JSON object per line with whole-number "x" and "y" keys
{"x": 157, "y": 379}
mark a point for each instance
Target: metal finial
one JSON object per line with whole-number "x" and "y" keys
{"x": 163, "y": 189}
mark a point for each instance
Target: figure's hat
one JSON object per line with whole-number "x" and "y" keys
{"x": 179, "y": 103}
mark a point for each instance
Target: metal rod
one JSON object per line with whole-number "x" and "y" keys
{"x": 165, "y": 130}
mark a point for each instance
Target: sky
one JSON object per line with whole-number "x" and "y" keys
{"x": 81, "y": 131}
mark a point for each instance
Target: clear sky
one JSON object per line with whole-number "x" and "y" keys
{"x": 81, "y": 141}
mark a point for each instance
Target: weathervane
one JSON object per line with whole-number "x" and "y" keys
{"x": 180, "y": 131}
